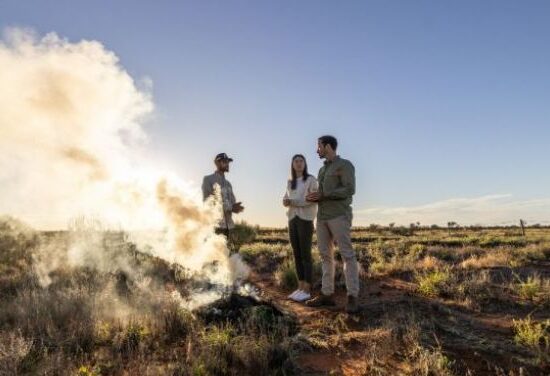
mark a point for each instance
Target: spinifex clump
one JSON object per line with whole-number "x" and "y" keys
{"x": 243, "y": 335}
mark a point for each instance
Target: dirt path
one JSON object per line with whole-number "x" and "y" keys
{"x": 480, "y": 343}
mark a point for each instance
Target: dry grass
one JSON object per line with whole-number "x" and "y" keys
{"x": 96, "y": 320}
{"x": 497, "y": 258}
{"x": 113, "y": 321}
{"x": 428, "y": 263}
{"x": 423, "y": 360}
{"x": 14, "y": 348}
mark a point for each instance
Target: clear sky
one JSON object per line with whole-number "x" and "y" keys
{"x": 443, "y": 107}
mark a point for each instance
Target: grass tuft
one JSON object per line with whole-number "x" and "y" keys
{"x": 432, "y": 283}
{"x": 535, "y": 336}
{"x": 286, "y": 276}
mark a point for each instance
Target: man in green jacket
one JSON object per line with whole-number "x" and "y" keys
{"x": 336, "y": 188}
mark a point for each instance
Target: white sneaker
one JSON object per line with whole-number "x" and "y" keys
{"x": 302, "y": 296}
{"x": 295, "y": 294}
{"x": 291, "y": 296}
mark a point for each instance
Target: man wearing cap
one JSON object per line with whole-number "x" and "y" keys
{"x": 229, "y": 203}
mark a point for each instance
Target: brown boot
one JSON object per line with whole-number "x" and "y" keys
{"x": 352, "y": 305}
{"x": 321, "y": 301}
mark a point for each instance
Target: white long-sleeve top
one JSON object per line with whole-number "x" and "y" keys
{"x": 298, "y": 204}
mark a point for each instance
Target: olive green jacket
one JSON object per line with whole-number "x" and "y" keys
{"x": 337, "y": 186}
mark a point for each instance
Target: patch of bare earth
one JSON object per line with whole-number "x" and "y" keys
{"x": 377, "y": 340}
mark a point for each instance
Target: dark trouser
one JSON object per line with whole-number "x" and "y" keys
{"x": 222, "y": 231}
{"x": 300, "y": 232}
{"x": 227, "y": 233}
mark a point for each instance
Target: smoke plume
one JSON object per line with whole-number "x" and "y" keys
{"x": 72, "y": 144}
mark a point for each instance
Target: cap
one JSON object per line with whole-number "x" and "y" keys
{"x": 223, "y": 156}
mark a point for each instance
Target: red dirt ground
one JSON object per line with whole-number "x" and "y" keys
{"x": 480, "y": 343}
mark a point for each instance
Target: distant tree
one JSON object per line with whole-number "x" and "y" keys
{"x": 402, "y": 231}
{"x": 451, "y": 225}
{"x": 391, "y": 225}
{"x": 522, "y": 223}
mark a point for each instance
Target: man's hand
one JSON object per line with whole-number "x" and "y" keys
{"x": 313, "y": 197}
{"x": 286, "y": 202}
{"x": 237, "y": 207}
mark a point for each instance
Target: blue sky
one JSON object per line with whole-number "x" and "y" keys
{"x": 438, "y": 104}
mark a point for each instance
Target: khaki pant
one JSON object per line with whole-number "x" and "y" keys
{"x": 337, "y": 230}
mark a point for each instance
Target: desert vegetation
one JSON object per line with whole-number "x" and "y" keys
{"x": 125, "y": 320}
{"x": 435, "y": 301}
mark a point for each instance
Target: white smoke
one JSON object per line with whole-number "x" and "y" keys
{"x": 71, "y": 144}
{"x": 69, "y": 129}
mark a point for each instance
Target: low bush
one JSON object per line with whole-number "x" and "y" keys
{"x": 241, "y": 234}
{"x": 286, "y": 276}
{"x": 433, "y": 283}
{"x": 535, "y": 336}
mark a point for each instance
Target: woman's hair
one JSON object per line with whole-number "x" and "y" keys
{"x": 293, "y": 180}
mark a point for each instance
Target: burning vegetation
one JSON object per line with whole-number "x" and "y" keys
{"x": 130, "y": 315}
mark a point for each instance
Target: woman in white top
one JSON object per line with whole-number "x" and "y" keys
{"x": 301, "y": 214}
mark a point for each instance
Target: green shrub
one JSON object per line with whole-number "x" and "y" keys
{"x": 131, "y": 339}
{"x": 402, "y": 231}
{"x": 216, "y": 356}
{"x": 286, "y": 276}
{"x": 417, "y": 250}
{"x": 86, "y": 371}
{"x": 432, "y": 283}
{"x": 250, "y": 252}
{"x": 241, "y": 234}
{"x": 530, "y": 253}
{"x": 265, "y": 257}
{"x": 535, "y": 336}
{"x": 530, "y": 288}
{"x": 443, "y": 253}
{"x": 224, "y": 351}
{"x": 261, "y": 317}
{"x": 534, "y": 288}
